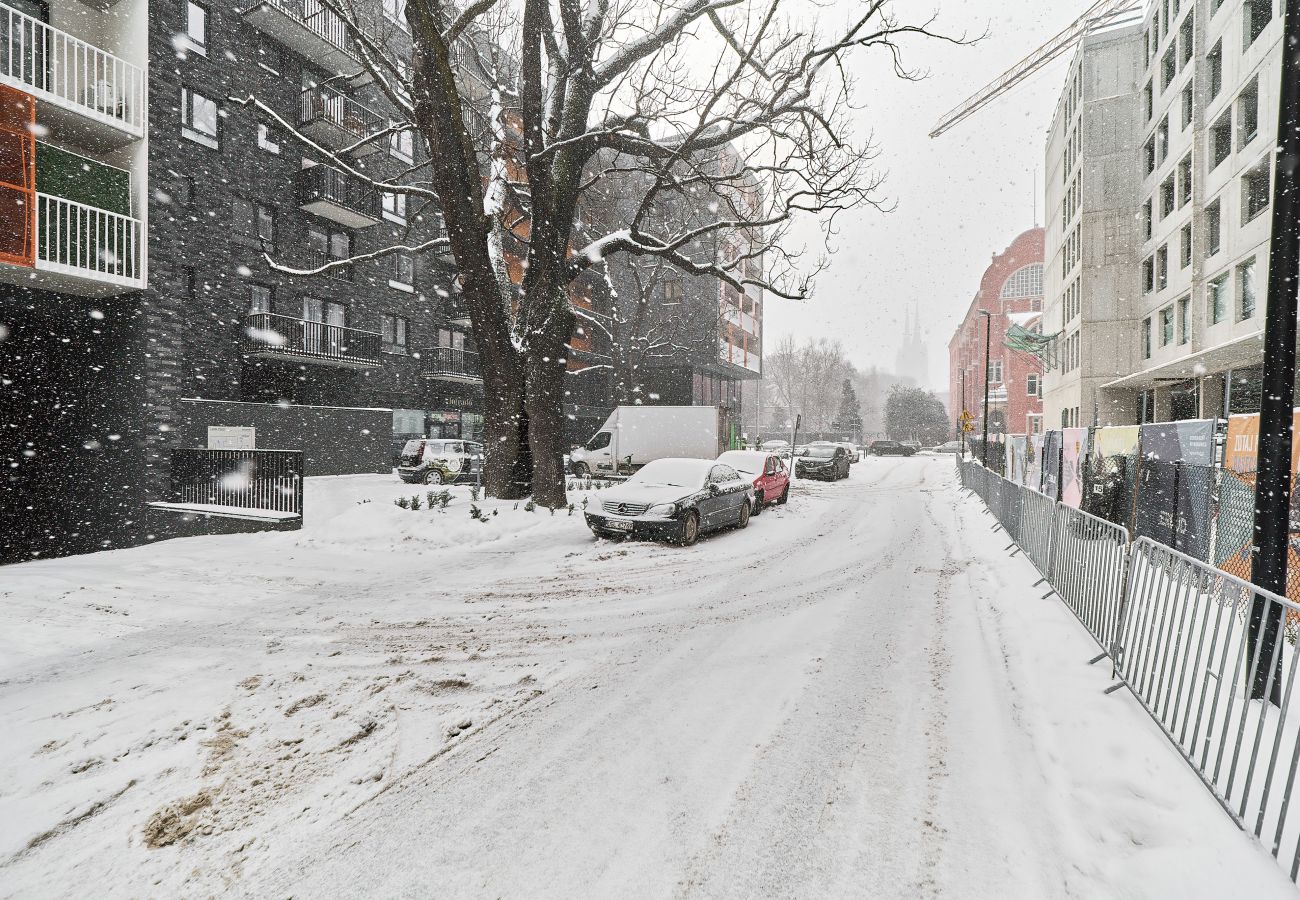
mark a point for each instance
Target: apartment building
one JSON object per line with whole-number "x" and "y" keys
{"x": 1011, "y": 292}
{"x": 1209, "y": 102}
{"x": 138, "y": 300}
{"x": 1093, "y": 236}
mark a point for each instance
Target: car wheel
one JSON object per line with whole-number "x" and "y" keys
{"x": 433, "y": 476}
{"x": 690, "y": 529}
{"x": 745, "y": 513}
{"x": 785, "y": 495}
{"x": 758, "y": 503}
{"x": 580, "y": 470}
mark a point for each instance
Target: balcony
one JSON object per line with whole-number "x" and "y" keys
{"x": 309, "y": 29}
{"x": 78, "y": 87}
{"x": 78, "y": 249}
{"x": 328, "y": 193}
{"x": 447, "y": 364}
{"x": 337, "y": 122}
{"x": 270, "y": 336}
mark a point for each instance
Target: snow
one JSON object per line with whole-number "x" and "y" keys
{"x": 858, "y": 695}
{"x": 216, "y": 509}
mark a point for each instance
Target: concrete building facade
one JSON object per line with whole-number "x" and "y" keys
{"x": 1092, "y": 190}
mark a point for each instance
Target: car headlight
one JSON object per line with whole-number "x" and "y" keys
{"x": 663, "y": 509}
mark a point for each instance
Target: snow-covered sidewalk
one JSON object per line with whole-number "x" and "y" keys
{"x": 859, "y": 695}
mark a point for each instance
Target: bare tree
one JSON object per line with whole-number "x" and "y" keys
{"x": 742, "y": 102}
{"x": 808, "y": 379}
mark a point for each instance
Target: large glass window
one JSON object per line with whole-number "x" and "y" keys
{"x": 1256, "y": 190}
{"x": 1256, "y": 16}
{"x": 1221, "y": 140}
{"x": 1217, "y": 299}
{"x": 1248, "y": 113}
{"x": 1214, "y": 228}
{"x": 196, "y": 28}
{"x": 199, "y": 117}
{"x": 1246, "y": 289}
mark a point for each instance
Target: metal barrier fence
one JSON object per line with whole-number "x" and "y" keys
{"x": 1179, "y": 633}
{"x": 1187, "y": 655}
{"x": 243, "y": 479}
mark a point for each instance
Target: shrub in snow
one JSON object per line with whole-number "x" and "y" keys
{"x": 570, "y": 509}
{"x": 416, "y": 503}
{"x": 474, "y": 491}
{"x": 530, "y": 506}
{"x": 476, "y": 513}
{"x": 403, "y": 502}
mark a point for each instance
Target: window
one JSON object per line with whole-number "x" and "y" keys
{"x": 1162, "y": 267}
{"x": 1146, "y": 220}
{"x": 673, "y": 292}
{"x": 401, "y": 145}
{"x": 1148, "y": 102}
{"x": 1257, "y": 14}
{"x": 1185, "y": 246}
{"x": 196, "y": 29}
{"x": 1246, "y": 289}
{"x": 1162, "y": 140}
{"x": 1217, "y": 293}
{"x": 1167, "y": 195}
{"x": 1185, "y": 181}
{"x": 191, "y": 282}
{"x": 1148, "y": 275}
{"x": 1214, "y": 62}
{"x": 1168, "y": 67}
{"x": 1187, "y": 105}
{"x": 1213, "y": 224}
{"x": 265, "y": 139}
{"x": 1186, "y": 35}
{"x": 1166, "y": 326}
{"x": 995, "y": 371}
{"x": 1221, "y": 140}
{"x": 259, "y": 299}
{"x": 1184, "y": 326}
{"x": 1033, "y": 386}
{"x": 340, "y": 248}
{"x": 392, "y": 331}
{"x": 395, "y": 11}
{"x": 1150, "y": 154}
{"x": 1256, "y": 189}
{"x": 199, "y": 118}
{"x": 1146, "y": 338}
{"x": 1024, "y": 282}
{"x": 402, "y": 274}
{"x": 394, "y": 207}
{"x": 1248, "y": 114}
{"x": 266, "y": 225}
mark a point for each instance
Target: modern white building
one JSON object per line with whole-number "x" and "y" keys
{"x": 1209, "y": 100}
{"x": 1093, "y": 195}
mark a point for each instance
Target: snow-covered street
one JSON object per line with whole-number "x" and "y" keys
{"x": 859, "y": 695}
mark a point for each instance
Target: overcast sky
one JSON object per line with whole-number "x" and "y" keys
{"x": 960, "y": 197}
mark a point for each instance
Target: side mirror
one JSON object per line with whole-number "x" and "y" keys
{"x": 714, "y": 488}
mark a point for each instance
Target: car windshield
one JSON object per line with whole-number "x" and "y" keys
{"x": 744, "y": 461}
{"x": 821, "y": 452}
{"x": 686, "y": 473}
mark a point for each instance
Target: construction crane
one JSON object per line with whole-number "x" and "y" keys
{"x": 1100, "y": 14}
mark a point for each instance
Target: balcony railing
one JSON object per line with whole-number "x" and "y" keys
{"x": 336, "y": 121}
{"x": 329, "y": 193}
{"x": 446, "y": 364}
{"x": 268, "y": 335}
{"x": 54, "y": 66}
{"x": 309, "y": 28}
{"x": 79, "y": 240}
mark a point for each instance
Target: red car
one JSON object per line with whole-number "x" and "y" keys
{"x": 771, "y": 478}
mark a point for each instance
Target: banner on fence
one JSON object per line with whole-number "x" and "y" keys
{"x": 1176, "y": 484}
{"x": 1034, "y": 468}
{"x": 1052, "y": 464}
{"x": 1074, "y": 447}
{"x": 1236, "y": 523}
{"x": 1112, "y": 472}
{"x": 1017, "y": 457}
{"x": 1242, "y": 446}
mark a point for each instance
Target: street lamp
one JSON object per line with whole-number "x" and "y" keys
{"x": 988, "y": 331}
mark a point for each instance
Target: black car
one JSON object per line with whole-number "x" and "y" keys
{"x": 828, "y": 461}
{"x": 891, "y": 448}
{"x": 674, "y": 500}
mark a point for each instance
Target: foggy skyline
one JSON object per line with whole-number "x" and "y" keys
{"x": 959, "y": 198}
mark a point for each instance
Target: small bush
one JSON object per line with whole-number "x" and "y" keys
{"x": 476, "y": 513}
{"x": 530, "y": 506}
{"x": 570, "y": 509}
{"x": 416, "y": 502}
{"x": 403, "y": 502}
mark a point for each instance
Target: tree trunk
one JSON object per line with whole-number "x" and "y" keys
{"x": 547, "y": 375}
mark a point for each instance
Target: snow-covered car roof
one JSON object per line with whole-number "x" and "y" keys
{"x": 675, "y": 471}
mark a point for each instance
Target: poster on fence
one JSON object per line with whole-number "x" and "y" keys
{"x": 1074, "y": 447}
{"x": 1017, "y": 457}
{"x": 1034, "y": 463}
{"x": 1176, "y": 485}
{"x": 1112, "y": 473}
{"x": 1052, "y": 464}
{"x": 1236, "y": 519}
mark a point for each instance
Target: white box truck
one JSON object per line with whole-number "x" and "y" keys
{"x": 634, "y": 435}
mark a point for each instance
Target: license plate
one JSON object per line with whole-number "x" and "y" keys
{"x": 618, "y": 525}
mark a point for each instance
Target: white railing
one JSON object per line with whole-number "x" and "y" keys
{"x": 51, "y": 62}
{"x": 76, "y": 239}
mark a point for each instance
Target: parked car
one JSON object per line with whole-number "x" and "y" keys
{"x": 674, "y": 499}
{"x": 770, "y": 477}
{"x": 851, "y": 449}
{"x": 915, "y": 445}
{"x": 890, "y": 448}
{"x": 947, "y": 447}
{"x": 437, "y": 461}
{"x": 828, "y": 461}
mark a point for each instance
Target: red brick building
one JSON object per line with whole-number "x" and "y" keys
{"x": 1012, "y": 292}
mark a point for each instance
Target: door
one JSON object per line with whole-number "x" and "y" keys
{"x": 600, "y": 452}
{"x": 725, "y": 494}
{"x": 335, "y": 321}
{"x": 313, "y": 318}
